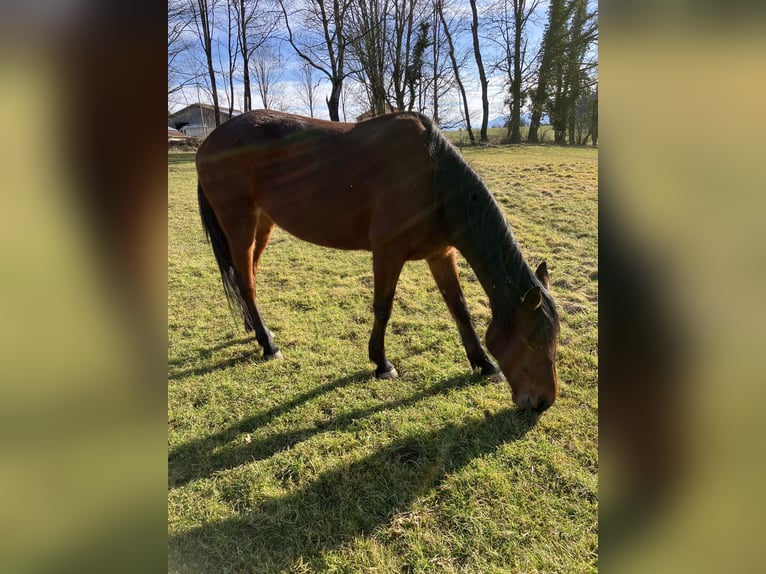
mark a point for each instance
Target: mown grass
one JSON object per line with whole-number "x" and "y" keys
{"x": 312, "y": 465}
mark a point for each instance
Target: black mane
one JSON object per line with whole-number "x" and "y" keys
{"x": 478, "y": 228}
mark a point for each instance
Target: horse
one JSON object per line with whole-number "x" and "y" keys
{"x": 392, "y": 185}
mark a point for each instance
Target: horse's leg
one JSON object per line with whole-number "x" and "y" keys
{"x": 444, "y": 269}
{"x": 262, "y": 234}
{"x": 241, "y": 234}
{"x": 386, "y": 270}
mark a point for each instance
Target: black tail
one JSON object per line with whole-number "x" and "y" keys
{"x": 215, "y": 235}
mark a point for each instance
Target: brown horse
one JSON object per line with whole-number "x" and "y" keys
{"x": 392, "y": 185}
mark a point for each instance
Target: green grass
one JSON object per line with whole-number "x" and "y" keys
{"x": 500, "y": 135}
{"x": 310, "y": 464}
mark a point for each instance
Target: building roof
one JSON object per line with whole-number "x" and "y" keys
{"x": 204, "y": 106}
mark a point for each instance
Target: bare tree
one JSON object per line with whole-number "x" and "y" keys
{"x": 244, "y": 17}
{"x": 203, "y": 11}
{"x": 256, "y": 23}
{"x": 482, "y": 74}
{"x": 402, "y": 26}
{"x": 437, "y": 80}
{"x": 180, "y": 18}
{"x": 308, "y": 86}
{"x": 231, "y": 34}
{"x": 439, "y": 6}
{"x": 325, "y": 49}
{"x": 369, "y": 28}
{"x": 267, "y": 65}
{"x": 509, "y": 24}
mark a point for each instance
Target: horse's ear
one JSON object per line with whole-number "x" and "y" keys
{"x": 542, "y": 275}
{"x": 533, "y": 298}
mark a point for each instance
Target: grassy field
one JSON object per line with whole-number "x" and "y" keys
{"x": 309, "y": 464}
{"x": 500, "y": 135}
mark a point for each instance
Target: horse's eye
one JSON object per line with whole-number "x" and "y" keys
{"x": 536, "y": 338}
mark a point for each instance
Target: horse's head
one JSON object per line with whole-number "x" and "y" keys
{"x": 525, "y": 347}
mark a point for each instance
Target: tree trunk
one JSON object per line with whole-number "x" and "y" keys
{"x": 333, "y": 102}
{"x": 456, "y": 71}
{"x": 247, "y": 103}
{"x": 551, "y": 56}
{"x": 232, "y": 53}
{"x": 594, "y": 119}
{"x": 482, "y": 75}
{"x": 515, "y": 127}
{"x": 335, "y": 41}
{"x": 207, "y": 45}
{"x": 435, "y": 51}
{"x": 534, "y": 126}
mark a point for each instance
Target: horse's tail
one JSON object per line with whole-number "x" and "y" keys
{"x": 217, "y": 239}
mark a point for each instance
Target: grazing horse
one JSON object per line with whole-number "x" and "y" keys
{"x": 392, "y": 185}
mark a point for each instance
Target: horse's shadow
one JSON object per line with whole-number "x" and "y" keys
{"x": 175, "y": 373}
{"x": 343, "y": 503}
{"x": 204, "y": 457}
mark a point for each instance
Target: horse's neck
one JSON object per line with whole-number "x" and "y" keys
{"x": 502, "y": 276}
{"x": 488, "y": 245}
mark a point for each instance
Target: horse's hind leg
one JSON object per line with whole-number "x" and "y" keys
{"x": 263, "y": 231}
{"x": 262, "y": 234}
{"x": 241, "y": 234}
{"x": 444, "y": 270}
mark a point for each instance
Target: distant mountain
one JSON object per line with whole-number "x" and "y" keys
{"x": 499, "y": 121}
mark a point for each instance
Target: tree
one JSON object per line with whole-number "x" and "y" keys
{"x": 551, "y": 55}
{"x": 413, "y": 74}
{"x": 232, "y": 37}
{"x": 594, "y": 117}
{"x": 267, "y": 64}
{"x": 585, "y": 107}
{"x": 439, "y": 6}
{"x": 308, "y": 86}
{"x": 571, "y": 75}
{"x": 326, "y": 48}
{"x": 256, "y": 24}
{"x": 578, "y": 81}
{"x": 369, "y": 29}
{"x": 402, "y": 26}
{"x": 180, "y": 18}
{"x": 390, "y": 39}
{"x": 202, "y": 14}
{"x": 564, "y": 71}
{"x": 243, "y": 19}
{"x": 509, "y": 22}
{"x": 482, "y": 75}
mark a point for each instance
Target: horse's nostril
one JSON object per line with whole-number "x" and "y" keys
{"x": 527, "y": 403}
{"x": 542, "y": 405}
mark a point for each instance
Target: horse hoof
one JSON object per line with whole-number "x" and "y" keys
{"x": 273, "y": 356}
{"x": 392, "y": 374}
{"x": 490, "y": 370}
{"x": 497, "y": 377}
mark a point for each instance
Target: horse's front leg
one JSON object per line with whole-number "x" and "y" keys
{"x": 444, "y": 269}
{"x": 386, "y": 270}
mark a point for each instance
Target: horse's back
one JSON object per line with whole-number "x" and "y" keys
{"x": 349, "y": 186}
